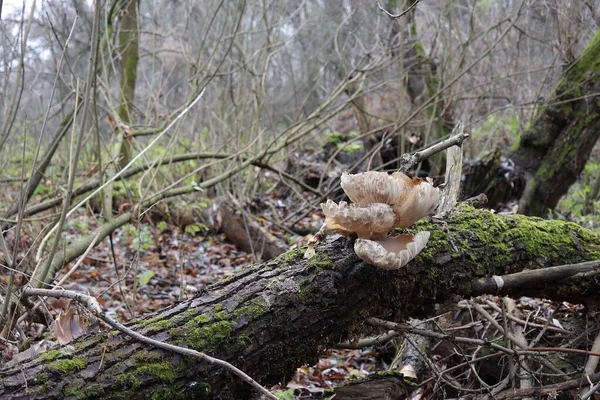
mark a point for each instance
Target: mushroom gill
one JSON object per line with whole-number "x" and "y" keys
{"x": 411, "y": 199}
{"x": 369, "y": 221}
{"x": 391, "y": 253}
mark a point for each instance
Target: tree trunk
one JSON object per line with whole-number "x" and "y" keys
{"x": 128, "y": 50}
{"x": 276, "y": 316}
{"x": 554, "y": 150}
{"x": 128, "y": 43}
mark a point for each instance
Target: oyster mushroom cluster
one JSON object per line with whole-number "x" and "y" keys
{"x": 380, "y": 203}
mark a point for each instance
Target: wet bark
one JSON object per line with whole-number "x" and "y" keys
{"x": 276, "y": 316}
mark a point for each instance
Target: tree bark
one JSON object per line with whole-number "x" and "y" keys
{"x": 554, "y": 150}
{"x": 128, "y": 48}
{"x": 276, "y": 316}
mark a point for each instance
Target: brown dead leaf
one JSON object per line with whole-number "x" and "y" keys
{"x": 70, "y": 325}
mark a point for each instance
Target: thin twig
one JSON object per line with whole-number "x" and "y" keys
{"x": 122, "y": 171}
{"x": 408, "y": 162}
{"x": 412, "y": 6}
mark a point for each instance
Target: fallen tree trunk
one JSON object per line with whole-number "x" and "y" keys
{"x": 276, "y": 316}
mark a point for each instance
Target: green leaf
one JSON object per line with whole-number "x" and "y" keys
{"x": 162, "y": 225}
{"x": 286, "y": 395}
{"x": 192, "y": 229}
{"x": 145, "y": 277}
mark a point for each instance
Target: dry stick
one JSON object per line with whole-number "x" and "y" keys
{"x": 412, "y": 6}
{"x": 17, "y": 95}
{"x": 424, "y": 154}
{"x": 38, "y": 169}
{"x": 370, "y": 341}
{"x": 592, "y": 363}
{"x": 92, "y": 304}
{"x": 548, "y": 364}
{"x": 480, "y": 342}
{"x": 408, "y": 162}
{"x": 526, "y": 323}
{"x": 546, "y": 390}
{"x": 297, "y": 133}
{"x": 436, "y": 335}
{"x": 41, "y": 274}
{"x": 122, "y": 171}
{"x": 536, "y": 277}
{"x": 64, "y": 278}
{"x": 93, "y": 184}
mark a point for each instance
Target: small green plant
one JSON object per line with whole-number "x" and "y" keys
{"x": 335, "y": 138}
{"x": 145, "y": 277}
{"x": 193, "y": 229}
{"x": 141, "y": 239}
{"x": 350, "y": 148}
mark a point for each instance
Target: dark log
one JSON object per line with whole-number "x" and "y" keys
{"x": 386, "y": 386}
{"x": 276, "y": 316}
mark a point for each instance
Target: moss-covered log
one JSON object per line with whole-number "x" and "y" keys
{"x": 276, "y": 316}
{"x": 554, "y": 150}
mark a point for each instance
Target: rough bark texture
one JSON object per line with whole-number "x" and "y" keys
{"x": 278, "y": 315}
{"x": 554, "y": 150}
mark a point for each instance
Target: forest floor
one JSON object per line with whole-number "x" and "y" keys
{"x": 149, "y": 265}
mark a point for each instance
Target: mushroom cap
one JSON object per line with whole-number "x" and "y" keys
{"x": 391, "y": 253}
{"x": 420, "y": 201}
{"x": 411, "y": 199}
{"x": 368, "y": 221}
{"x": 375, "y": 187}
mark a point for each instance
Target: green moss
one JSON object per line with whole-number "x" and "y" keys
{"x": 163, "y": 371}
{"x": 145, "y": 322}
{"x": 221, "y": 315}
{"x": 202, "y": 319}
{"x": 244, "y": 340}
{"x": 92, "y": 390}
{"x": 164, "y": 393}
{"x": 489, "y": 241}
{"x": 51, "y": 355}
{"x": 205, "y": 337}
{"x": 161, "y": 325}
{"x": 189, "y": 313}
{"x": 293, "y": 255}
{"x": 41, "y": 378}
{"x": 146, "y": 356}
{"x": 218, "y": 307}
{"x": 321, "y": 261}
{"x": 74, "y": 388}
{"x": 251, "y": 312}
{"x": 68, "y": 366}
{"x": 303, "y": 295}
{"x": 129, "y": 380}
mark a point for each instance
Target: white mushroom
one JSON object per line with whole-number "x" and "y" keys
{"x": 411, "y": 199}
{"x": 369, "y": 221}
{"x": 391, "y": 253}
{"x": 381, "y": 202}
